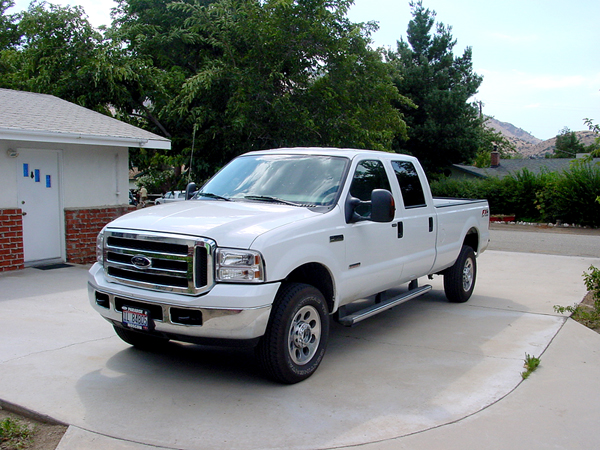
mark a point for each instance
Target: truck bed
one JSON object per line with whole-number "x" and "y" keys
{"x": 445, "y": 202}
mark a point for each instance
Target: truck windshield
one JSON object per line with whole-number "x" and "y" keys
{"x": 291, "y": 179}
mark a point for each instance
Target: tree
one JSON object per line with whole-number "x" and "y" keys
{"x": 60, "y": 53}
{"x": 9, "y": 39}
{"x": 9, "y": 34}
{"x": 594, "y": 148}
{"x": 55, "y": 42}
{"x": 239, "y": 75}
{"x": 221, "y": 76}
{"x": 492, "y": 141}
{"x": 567, "y": 144}
{"x": 444, "y": 128}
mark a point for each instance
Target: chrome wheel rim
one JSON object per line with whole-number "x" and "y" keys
{"x": 468, "y": 274}
{"x": 304, "y": 335}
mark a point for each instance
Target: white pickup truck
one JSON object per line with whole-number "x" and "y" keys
{"x": 277, "y": 244}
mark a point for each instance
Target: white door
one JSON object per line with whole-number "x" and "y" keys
{"x": 417, "y": 222}
{"x": 373, "y": 250}
{"x": 39, "y": 199}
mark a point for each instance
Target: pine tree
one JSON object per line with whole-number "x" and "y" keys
{"x": 444, "y": 128}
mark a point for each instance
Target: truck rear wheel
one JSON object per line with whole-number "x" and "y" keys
{"x": 296, "y": 337}
{"x": 140, "y": 340}
{"x": 459, "y": 280}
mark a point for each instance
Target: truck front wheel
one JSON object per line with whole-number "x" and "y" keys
{"x": 296, "y": 337}
{"x": 459, "y": 280}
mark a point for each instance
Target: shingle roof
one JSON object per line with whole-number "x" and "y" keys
{"x": 32, "y": 116}
{"x": 508, "y": 166}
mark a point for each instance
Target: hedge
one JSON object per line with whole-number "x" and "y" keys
{"x": 570, "y": 196}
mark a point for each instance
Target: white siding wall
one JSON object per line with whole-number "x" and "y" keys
{"x": 89, "y": 175}
{"x": 8, "y": 178}
{"x": 95, "y": 176}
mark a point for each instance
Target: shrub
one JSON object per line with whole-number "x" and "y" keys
{"x": 570, "y": 196}
{"x": 575, "y": 194}
{"x": 522, "y": 189}
{"x": 588, "y": 315}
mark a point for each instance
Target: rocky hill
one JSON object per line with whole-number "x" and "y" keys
{"x": 527, "y": 144}
{"x": 540, "y": 149}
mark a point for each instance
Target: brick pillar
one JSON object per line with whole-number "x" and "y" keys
{"x": 82, "y": 225}
{"x": 11, "y": 240}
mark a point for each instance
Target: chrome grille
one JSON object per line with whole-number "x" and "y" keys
{"x": 159, "y": 261}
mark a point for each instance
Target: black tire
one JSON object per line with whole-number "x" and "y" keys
{"x": 459, "y": 280}
{"x": 297, "y": 334}
{"x": 140, "y": 340}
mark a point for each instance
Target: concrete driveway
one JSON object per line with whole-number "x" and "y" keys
{"x": 425, "y": 374}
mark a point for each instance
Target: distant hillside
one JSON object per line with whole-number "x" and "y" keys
{"x": 528, "y": 145}
{"x": 585, "y": 137}
{"x": 510, "y": 131}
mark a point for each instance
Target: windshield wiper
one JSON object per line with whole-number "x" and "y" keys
{"x": 211, "y": 195}
{"x": 266, "y": 198}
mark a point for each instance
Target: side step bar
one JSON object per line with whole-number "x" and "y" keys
{"x": 359, "y": 316}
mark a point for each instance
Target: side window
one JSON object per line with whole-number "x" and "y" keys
{"x": 369, "y": 175}
{"x": 410, "y": 184}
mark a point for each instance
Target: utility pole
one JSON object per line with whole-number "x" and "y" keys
{"x": 481, "y": 104}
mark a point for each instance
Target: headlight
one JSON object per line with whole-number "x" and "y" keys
{"x": 239, "y": 266}
{"x": 100, "y": 247}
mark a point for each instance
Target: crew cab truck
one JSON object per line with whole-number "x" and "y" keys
{"x": 277, "y": 244}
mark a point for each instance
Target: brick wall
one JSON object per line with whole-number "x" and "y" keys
{"x": 81, "y": 228}
{"x": 11, "y": 240}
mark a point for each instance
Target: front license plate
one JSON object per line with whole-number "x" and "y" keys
{"x": 136, "y": 318}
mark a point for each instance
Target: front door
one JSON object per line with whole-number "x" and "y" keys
{"x": 373, "y": 259}
{"x": 39, "y": 199}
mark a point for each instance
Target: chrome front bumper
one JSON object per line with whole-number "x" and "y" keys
{"x": 245, "y": 321}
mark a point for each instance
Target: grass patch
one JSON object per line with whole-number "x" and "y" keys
{"x": 14, "y": 434}
{"x": 531, "y": 363}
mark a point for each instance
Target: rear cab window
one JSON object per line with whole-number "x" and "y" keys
{"x": 410, "y": 184}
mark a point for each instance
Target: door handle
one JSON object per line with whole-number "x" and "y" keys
{"x": 430, "y": 224}
{"x": 24, "y": 213}
{"x": 400, "y": 230}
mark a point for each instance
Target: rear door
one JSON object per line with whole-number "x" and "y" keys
{"x": 416, "y": 221}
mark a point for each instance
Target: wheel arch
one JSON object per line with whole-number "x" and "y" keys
{"x": 317, "y": 275}
{"x": 472, "y": 239}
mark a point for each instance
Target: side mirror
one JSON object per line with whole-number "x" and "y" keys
{"x": 190, "y": 190}
{"x": 383, "y": 206}
{"x": 351, "y": 204}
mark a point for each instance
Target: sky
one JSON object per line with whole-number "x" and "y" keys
{"x": 540, "y": 59}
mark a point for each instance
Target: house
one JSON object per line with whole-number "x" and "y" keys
{"x": 501, "y": 168}
{"x": 63, "y": 176}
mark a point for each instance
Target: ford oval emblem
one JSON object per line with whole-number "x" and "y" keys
{"x": 141, "y": 262}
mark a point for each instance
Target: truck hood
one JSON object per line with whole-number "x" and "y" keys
{"x": 230, "y": 224}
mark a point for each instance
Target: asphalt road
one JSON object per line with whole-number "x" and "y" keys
{"x": 551, "y": 241}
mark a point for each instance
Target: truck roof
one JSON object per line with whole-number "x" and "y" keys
{"x": 350, "y": 153}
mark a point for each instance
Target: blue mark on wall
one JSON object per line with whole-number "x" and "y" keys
{"x": 37, "y": 175}
{"x": 25, "y": 169}
{"x": 48, "y": 181}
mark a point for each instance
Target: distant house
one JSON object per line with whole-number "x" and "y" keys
{"x": 503, "y": 167}
{"x": 63, "y": 175}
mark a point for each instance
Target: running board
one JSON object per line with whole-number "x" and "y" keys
{"x": 359, "y": 316}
